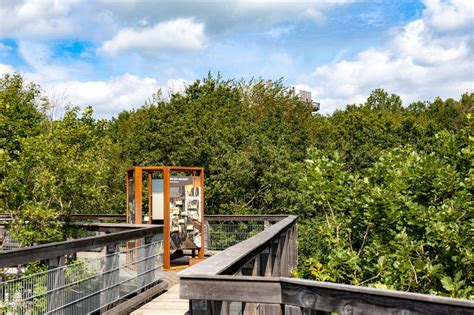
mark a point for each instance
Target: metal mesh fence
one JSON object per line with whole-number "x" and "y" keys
{"x": 223, "y": 235}
{"x": 86, "y": 285}
{"x": 8, "y": 242}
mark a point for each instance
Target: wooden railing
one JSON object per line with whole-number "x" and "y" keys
{"x": 252, "y": 277}
{"x": 56, "y": 251}
{"x": 129, "y": 266}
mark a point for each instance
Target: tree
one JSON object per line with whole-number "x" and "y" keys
{"x": 404, "y": 224}
{"x": 241, "y": 133}
{"x": 19, "y": 115}
{"x": 72, "y": 167}
{"x": 19, "y": 119}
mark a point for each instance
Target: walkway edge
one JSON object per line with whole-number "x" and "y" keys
{"x": 128, "y": 306}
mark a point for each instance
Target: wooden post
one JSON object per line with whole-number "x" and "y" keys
{"x": 263, "y": 262}
{"x": 284, "y": 262}
{"x": 201, "y": 250}
{"x": 251, "y": 308}
{"x": 201, "y": 307}
{"x": 145, "y": 265}
{"x": 55, "y": 284}
{"x": 138, "y": 195}
{"x": 276, "y": 269}
{"x": 127, "y": 178}
{"x": 293, "y": 248}
{"x": 110, "y": 277}
{"x": 166, "y": 217}
{"x": 269, "y": 261}
{"x": 266, "y": 224}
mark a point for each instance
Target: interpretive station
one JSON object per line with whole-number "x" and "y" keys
{"x": 176, "y": 200}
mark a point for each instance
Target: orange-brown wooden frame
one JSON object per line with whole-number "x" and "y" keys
{"x": 166, "y": 171}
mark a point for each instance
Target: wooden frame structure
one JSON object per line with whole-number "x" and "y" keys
{"x": 137, "y": 174}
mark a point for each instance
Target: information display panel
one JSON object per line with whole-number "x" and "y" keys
{"x": 185, "y": 212}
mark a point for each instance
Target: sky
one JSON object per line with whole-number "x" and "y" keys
{"x": 113, "y": 55}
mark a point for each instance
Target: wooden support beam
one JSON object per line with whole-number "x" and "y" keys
{"x": 285, "y": 253}
{"x": 138, "y": 195}
{"x": 347, "y": 299}
{"x": 263, "y": 261}
{"x": 110, "y": 276}
{"x": 201, "y": 250}
{"x": 315, "y": 295}
{"x": 166, "y": 221}
{"x": 224, "y": 288}
{"x": 55, "y": 284}
{"x": 293, "y": 247}
{"x": 276, "y": 268}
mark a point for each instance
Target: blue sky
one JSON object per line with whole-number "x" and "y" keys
{"x": 114, "y": 55}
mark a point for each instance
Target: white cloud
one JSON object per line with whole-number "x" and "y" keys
{"x": 315, "y": 15}
{"x": 175, "y": 35}
{"x": 28, "y": 19}
{"x": 450, "y": 15}
{"x": 120, "y": 93}
{"x": 6, "y": 69}
{"x": 418, "y": 41}
{"x": 108, "y": 97}
{"x": 420, "y": 63}
{"x": 99, "y": 20}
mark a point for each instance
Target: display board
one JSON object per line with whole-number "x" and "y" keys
{"x": 185, "y": 212}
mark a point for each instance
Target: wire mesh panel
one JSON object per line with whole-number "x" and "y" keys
{"x": 8, "y": 242}
{"x": 223, "y": 235}
{"x": 85, "y": 285}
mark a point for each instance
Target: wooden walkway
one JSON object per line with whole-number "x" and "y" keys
{"x": 167, "y": 303}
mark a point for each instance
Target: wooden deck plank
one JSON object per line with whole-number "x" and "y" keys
{"x": 167, "y": 303}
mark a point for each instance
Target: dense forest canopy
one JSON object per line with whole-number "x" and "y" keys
{"x": 384, "y": 192}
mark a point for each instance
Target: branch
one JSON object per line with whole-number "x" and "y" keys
{"x": 365, "y": 237}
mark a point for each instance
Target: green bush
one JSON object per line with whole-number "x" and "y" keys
{"x": 404, "y": 223}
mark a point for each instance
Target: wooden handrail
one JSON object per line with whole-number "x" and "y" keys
{"x": 42, "y": 252}
{"x": 225, "y": 277}
{"x": 84, "y": 216}
{"x": 316, "y": 295}
{"x": 234, "y": 257}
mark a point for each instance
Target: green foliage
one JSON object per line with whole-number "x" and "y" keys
{"x": 361, "y": 133}
{"x": 243, "y": 134}
{"x": 70, "y": 166}
{"x": 36, "y": 224}
{"x": 19, "y": 116}
{"x": 53, "y": 167}
{"x": 403, "y": 224}
{"x": 19, "y": 119}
